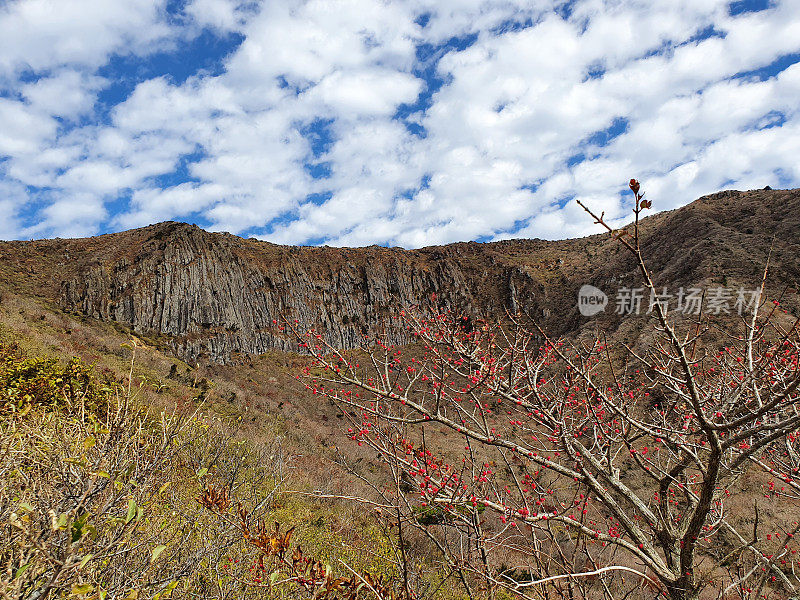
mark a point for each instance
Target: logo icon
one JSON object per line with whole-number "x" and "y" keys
{"x": 591, "y": 300}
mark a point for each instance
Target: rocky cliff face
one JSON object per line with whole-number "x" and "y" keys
{"x": 211, "y": 296}
{"x": 217, "y": 295}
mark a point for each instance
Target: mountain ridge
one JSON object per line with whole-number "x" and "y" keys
{"x": 213, "y": 296}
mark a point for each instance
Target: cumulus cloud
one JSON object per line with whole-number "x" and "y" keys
{"x": 38, "y": 35}
{"x": 351, "y": 122}
{"x": 22, "y": 132}
{"x": 224, "y": 15}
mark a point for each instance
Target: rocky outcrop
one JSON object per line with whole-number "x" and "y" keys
{"x": 215, "y": 295}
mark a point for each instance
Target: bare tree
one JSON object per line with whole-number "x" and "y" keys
{"x": 588, "y": 469}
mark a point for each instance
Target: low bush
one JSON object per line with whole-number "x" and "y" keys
{"x": 27, "y": 381}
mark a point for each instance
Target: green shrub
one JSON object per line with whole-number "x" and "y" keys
{"x": 27, "y": 382}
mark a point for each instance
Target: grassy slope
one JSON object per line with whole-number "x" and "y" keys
{"x": 256, "y": 405}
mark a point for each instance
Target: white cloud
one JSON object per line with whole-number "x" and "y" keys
{"x": 22, "y": 131}
{"x": 13, "y": 199}
{"x": 515, "y": 129}
{"x": 225, "y": 15}
{"x": 74, "y": 216}
{"x": 68, "y": 94}
{"x": 365, "y": 93}
{"x": 40, "y": 35}
{"x": 306, "y": 41}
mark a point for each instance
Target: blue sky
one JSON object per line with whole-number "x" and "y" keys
{"x": 356, "y": 122}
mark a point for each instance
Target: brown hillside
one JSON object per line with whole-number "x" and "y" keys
{"x": 210, "y": 296}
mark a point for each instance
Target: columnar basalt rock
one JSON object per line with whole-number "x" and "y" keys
{"x": 216, "y": 295}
